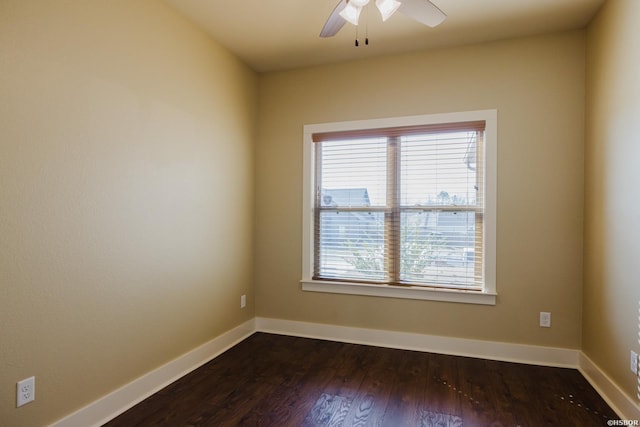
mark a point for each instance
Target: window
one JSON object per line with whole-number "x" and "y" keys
{"x": 402, "y": 207}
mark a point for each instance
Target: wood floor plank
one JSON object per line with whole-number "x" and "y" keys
{"x": 406, "y": 407}
{"x": 281, "y": 381}
{"x": 371, "y": 398}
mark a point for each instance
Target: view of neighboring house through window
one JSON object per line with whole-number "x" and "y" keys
{"x": 400, "y": 205}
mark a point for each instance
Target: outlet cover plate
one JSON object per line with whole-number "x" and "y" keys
{"x": 545, "y": 319}
{"x": 26, "y": 391}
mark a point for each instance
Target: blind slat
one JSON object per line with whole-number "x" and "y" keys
{"x": 473, "y": 126}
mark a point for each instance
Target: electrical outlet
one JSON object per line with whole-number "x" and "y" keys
{"x": 26, "y": 391}
{"x": 634, "y": 362}
{"x": 545, "y": 319}
{"x": 243, "y": 301}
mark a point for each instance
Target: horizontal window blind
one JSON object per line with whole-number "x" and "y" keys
{"x": 351, "y": 201}
{"x": 402, "y": 206}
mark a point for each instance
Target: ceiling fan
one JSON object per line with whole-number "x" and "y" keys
{"x": 422, "y": 11}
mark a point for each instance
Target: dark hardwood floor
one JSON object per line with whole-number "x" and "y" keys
{"x": 272, "y": 380}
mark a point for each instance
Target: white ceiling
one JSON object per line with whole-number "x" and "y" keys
{"x": 282, "y": 34}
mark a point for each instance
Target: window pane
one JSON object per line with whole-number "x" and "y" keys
{"x": 354, "y": 173}
{"x": 352, "y": 245}
{"x": 438, "y": 248}
{"x": 439, "y": 169}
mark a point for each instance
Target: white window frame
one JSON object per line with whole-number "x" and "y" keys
{"x": 488, "y": 294}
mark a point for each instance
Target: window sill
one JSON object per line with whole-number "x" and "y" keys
{"x": 388, "y": 291}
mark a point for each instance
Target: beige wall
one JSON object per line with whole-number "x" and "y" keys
{"x": 126, "y": 194}
{"x": 127, "y": 139}
{"x": 612, "y": 208}
{"x": 537, "y": 86}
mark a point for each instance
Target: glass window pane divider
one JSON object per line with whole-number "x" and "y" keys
{"x": 393, "y": 196}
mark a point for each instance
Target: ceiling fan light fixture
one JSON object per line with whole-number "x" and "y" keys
{"x": 351, "y": 13}
{"x": 387, "y": 8}
{"x": 358, "y": 3}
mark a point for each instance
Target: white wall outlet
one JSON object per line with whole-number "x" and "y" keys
{"x": 545, "y": 319}
{"x": 26, "y": 391}
{"x": 243, "y": 301}
{"x": 634, "y": 362}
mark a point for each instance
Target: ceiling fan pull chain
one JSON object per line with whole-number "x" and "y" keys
{"x": 366, "y": 28}
{"x": 357, "y": 43}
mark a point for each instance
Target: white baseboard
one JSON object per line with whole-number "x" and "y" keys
{"x": 118, "y": 401}
{"x": 521, "y": 353}
{"x": 625, "y": 407}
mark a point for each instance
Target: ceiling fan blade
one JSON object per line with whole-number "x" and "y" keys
{"x": 335, "y": 21}
{"x": 422, "y": 11}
